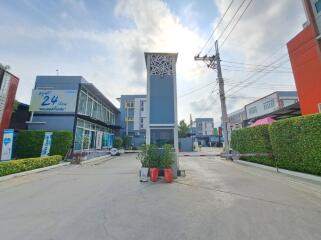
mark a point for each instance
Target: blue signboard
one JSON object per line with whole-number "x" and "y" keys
{"x": 46, "y": 144}
{"x": 7, "y": 144}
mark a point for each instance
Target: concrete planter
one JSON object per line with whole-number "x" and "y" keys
{"x": 143, "y": 174}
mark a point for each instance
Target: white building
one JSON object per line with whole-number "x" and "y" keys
{"x": 270, "y": 103}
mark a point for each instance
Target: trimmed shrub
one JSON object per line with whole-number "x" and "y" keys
{"x": 21, "y": 165}
{"x": 29, "y": 143}
{"x": 61, "y": 143}
{"x": 253, "y": 140}
{"x": 118, "y": 142}
{"x": 296, "y": 143}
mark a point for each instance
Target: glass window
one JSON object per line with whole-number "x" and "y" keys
{"x": 104, "y": 113}
{"x": 253, "y": 110}
{"x": 82, "y": 103}
{"x": 107, "y": 117}
{"x": 92, "y": 139}
{"x": 160, "y": 137}
{"x": 86, "y": 139}
{"x": 95, "y": 110}
{"x": 80, "y": 123}
{"x": 78, "y": 138}
{"x": 89, "y": 107}
{"x": 318, "y": 6}
{"x": 268, "y": 104}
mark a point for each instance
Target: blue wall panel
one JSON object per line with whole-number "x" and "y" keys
{"x": 53, "y": 123}
{"x": 161, "y": 100}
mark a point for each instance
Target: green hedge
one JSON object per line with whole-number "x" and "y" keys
{"x": 21, "y": 165}
{"x": 296, "y": 143}
{"x": 61, "y": 143}
{"x": 253, "y": 140}
{"x": 29, "y": 143}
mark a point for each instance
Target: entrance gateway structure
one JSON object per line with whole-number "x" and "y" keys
{"x": 162, "y": 125}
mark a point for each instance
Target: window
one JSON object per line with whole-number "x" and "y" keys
{"x": 95, "y": 110}
{"x": 269, "y": 104}
{"x": 89, "y": 107}
{"x": 99, "y": 112}
{"x": 252, "y": 110}
{"x": 161, "y": 136}
{"x": 104, "y": 115}
{"x": 129, "y": 104}
{"x": 130, "y": 119}
{"x": 78, "y": 138}
{"x": 82, "y": 103}
{"x": 317, "y": 5}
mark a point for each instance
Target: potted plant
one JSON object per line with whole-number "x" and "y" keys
{"x": 166, "y": 162}
{"x": 144, "y": 160}
{"x": 153, "y": 156}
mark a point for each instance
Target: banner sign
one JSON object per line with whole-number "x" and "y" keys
{"x": 46, "y": 144}
{"x": 99, "y": 139}
{"x": 53, "y": 101}
{"x": 7, "y": 144}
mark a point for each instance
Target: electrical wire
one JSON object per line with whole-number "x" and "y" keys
{"x": 294, "y": 51}
{"x": 216, "y": 27}
{"x": 195, "y": 90}
{"x": 228, "y": 24}
{"x": 238, "y": 20}
{"x": 247, "y": 64}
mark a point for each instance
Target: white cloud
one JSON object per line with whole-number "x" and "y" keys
{"x": 118, "y": 66}
{"x": 266, "y": 26}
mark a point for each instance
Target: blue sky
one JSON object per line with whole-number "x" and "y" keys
{"x": 104, "y": 41}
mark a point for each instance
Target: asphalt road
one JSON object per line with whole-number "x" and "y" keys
{"x": 216, "y": 200}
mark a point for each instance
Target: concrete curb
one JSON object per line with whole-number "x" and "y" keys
{"x": 280, "y": 170}
{"x": 8, "y": 177}
{"x": 97, "y": 159}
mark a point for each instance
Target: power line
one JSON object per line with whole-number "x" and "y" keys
{"x": 216, "y": 27}
{"x": 238, "y": 20}
{"x": 247, "y": 81}
{"x": 228, "y": 24}
{"x": 240, "y": 69}
{"x": 195, "y": 90}
{"x": 294, "y": 51}
{"x": 247, "y": 64}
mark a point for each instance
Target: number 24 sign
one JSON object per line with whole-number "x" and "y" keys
{"x": 53, "y": 101}
{"x": 47, "y": 100}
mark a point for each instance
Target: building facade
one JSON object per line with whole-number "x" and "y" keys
{"x": 73, "y": 104}
{"x": 236, "y": 118}
{"x": 305, "y": 56}
{"x": 133, "y": 118}
{"x": 204, "y": 131}
{"x": 204, "y": 127}
{"x": 270, "y": 103}
{"x": 8, "y": 88}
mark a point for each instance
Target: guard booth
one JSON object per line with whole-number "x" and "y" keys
{"x": 162, "y": 125}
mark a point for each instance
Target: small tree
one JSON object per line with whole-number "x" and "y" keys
{"x": 167, "y": 160}
{"x": 183, "y": 129}
{"x": 127, "y": 142}
{"x": 118, "y": 142}
{"x": 153, "y": 156}
{"x": 143, "y": 155}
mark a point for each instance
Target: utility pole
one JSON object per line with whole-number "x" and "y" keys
{"x": 214, "y": 62}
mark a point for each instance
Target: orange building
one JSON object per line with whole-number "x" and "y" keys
{"x": 305, "y": 56}
{"x": 8, "y": 88}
